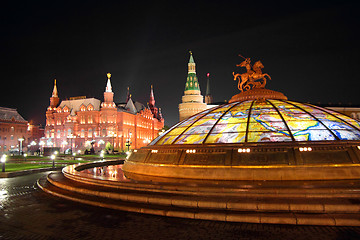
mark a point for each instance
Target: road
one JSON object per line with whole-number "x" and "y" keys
{"x": 28, "y": 213}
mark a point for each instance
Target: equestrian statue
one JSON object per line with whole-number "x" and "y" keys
{"x": 253, "y": 78}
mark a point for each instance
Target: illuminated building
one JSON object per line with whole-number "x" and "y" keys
{"x": 14, "y": 127}
{"x": 192, "y": 100}
{"x": 80, "y": 122}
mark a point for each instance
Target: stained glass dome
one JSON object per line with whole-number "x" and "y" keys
{"x": 258, "y": 135}
{"x": 262, "y": 120}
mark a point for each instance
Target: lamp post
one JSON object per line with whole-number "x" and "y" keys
{"x": 53, "y": 160}
{"x": 25, "y": 155}
{"x": 3, "y": 160}
{"x": 102, "y": 155}
{"x": 21, "y": 140}
{"x": 41, "y": 143}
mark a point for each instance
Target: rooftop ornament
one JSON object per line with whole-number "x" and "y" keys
{"x": 253, "y": 78}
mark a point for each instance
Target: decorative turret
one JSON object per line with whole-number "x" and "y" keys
{"x": 54, "y": 99}
{"x": 108, "y": 94}
{"x": 192, "y": 82}
{"x": 152, "y": 107}
{"x": 192, "y": 101}
{"x": 208, "y": 97}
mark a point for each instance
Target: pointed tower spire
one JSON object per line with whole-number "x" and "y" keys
{"x": 152, "y": 107}
{"x": 108, "y": 85}
{"x": 55, "y": 92}
{"x": 128, "y": 95}
{"x": 208, "y": 97}
{"x": 192, "y": 81}
{"x": 108, "y": 94}
{"x": 54, "y": 99}
{"x": 152, "y": 98}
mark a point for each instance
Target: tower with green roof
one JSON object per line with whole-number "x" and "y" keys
{"x": 192, "y": 100}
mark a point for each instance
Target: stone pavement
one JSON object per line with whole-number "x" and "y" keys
{"x": 28, "y": 213}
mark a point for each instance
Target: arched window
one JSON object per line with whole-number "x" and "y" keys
{"x": 90, "y": 133}
{"x": 82, "y": 108}
{"x": 90, "y": 107}
{"x": 82, "y": 134}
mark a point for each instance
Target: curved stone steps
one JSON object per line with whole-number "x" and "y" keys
{"x": 248, "y": 189}
{"x": 338, "y": 211}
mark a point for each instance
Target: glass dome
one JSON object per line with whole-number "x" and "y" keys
{"x": 262, "y": 120}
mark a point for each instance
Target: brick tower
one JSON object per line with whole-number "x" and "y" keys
{"x": 192, "y": 100}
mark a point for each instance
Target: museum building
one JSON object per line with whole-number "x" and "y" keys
{"x": 80, "y": 122}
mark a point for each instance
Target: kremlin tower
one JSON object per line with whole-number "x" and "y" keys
{"x": 208, "y": 96}
{"x": 192, "y": 100}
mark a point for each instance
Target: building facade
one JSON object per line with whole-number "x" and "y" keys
{"x": 16, "y": 133}
{"x": 192, "y": 100}
{"x": 80, "y": 122}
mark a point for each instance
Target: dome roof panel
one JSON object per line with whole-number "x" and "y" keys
{"x": 262, "y": 120}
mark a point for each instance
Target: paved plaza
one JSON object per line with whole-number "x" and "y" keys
{"x": 28, "y": 213}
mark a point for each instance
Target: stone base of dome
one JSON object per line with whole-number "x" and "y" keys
{"x": 320, "y": 161}
{"x": 257, "y": 93}
{"x": 227, "y": 173}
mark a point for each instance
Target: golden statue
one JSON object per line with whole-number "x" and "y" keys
{"x": 253, "y": 78}
{"x": 108, "y": 75}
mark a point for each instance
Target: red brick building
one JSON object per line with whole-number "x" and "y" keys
{"x": 16, "y": 133}
{"x": 79, "y": 122}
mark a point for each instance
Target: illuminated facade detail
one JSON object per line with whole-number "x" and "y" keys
{"x": 253, "y": 78}
{"x": 192, "y": 100}
{"x": 79, "y": 121}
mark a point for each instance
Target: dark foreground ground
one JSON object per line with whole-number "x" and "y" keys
{"x": 28, "y": 213}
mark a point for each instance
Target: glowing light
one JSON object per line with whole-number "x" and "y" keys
{"x": 305, "y": 149}
{"x": 244, "y": 150}
{"x": 190, "y": 151}
{"x": 3, "y": 158}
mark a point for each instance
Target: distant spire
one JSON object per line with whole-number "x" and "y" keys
{"x": 152, "y": 98}
{"x": 108, "y": 85}
{"x": 208, "y": 85}
{"x": 55, "y": 92}
{"x": 128, "y": 95}
{"x": 208, "y": 97}
{"x": 191, "y": 60}
{"x": 152, "y": 107}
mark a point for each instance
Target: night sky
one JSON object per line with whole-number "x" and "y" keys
{"x": 310, "y": 49}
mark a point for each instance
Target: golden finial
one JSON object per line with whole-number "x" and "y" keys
{"x": 190, "y": 52}
{"x": 151, "y": 86}
{"x": 108, "y": 75}
{"x": 55, "y": 81}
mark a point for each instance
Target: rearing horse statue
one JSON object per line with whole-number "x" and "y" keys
{"x": 253, "y": 78}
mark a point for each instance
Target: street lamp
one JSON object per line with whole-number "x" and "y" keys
{"x": 74, "y": 155}
{"x": 53, "y": 160}
{"x": 21, "y": 140}
{"x": 41, "y": 143}
{"x": 25, "y": 155}
{"x": 3, "y": 160}
{"x": 102, "y": 155}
